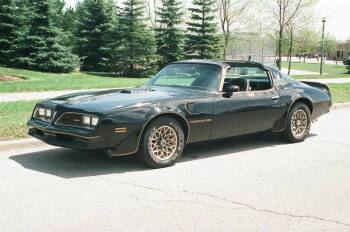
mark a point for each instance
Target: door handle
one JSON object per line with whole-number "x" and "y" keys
{"x": 275, "y": 97}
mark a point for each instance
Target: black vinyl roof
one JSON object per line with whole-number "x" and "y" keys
{"x": 212, "y": 62}
{"x": 224, "y": 63}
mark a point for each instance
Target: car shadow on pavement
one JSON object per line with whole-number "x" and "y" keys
{"x": 68, "y": 163}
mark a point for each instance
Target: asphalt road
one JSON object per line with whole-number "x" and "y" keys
{"x": 251, "y": 183}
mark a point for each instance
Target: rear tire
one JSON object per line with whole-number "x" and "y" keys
{"x": 162, "y": 143}
{"x": 298, "y": 123}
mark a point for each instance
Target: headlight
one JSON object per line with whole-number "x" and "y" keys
{"x": 94, "y": 121}
{"x": 43, "y": 114}
{"x": 90, "y": 120}
{"x": 48, "y": 113}
{"x": 86, "y": 120}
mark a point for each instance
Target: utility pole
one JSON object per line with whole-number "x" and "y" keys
{"x": 322, "y": 45}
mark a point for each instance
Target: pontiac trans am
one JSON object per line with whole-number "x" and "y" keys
{"x": 186, "y": 102}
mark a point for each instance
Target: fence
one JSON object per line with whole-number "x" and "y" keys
{"x": 254, "y": 47}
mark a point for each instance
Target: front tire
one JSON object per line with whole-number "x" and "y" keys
{"x": 162, "y": 143}
{"x": 298, "y": 123}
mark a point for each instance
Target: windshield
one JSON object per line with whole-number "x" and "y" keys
{"x": 202, "y": 76}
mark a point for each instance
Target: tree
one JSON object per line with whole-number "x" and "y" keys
{"x": 307, "y": 42}
{"x": 43, "y": 46}
{"x": 94, "y": 30}
{"x": 152, "y": 6}
{"x": 169, "y": 36}
{"x": 330, "y": 45}
{"x": 301, "y": 22}
{"x": 347, "y": 63}
{"x": 137, "y": 50}
{"x": 285, "y": 11}
{"x": 229, "y": 11}
{"x": 23, "y": 19}
{"x": 7, "y": 31}
{"x": 202, "y": 41}
{"x": 69, "y": 26}
{"x": 57, "y": 12}
{"x": 69, "y": 20}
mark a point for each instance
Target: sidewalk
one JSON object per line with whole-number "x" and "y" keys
{"x": 29, "y": 96}
{"x": 298, "y": 72}
{"x": 329, "y": 81}
{"x": 313, "y": 61}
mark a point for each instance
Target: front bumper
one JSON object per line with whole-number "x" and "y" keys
{"x": 66, "y": 137}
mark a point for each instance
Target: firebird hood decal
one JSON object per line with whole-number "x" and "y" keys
{"x": 102, "y": 101}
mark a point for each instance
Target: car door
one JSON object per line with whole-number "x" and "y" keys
{"x": 246, "y": 112}
{"x": 199, "y": 117}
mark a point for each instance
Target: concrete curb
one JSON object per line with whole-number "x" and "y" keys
{"x": 341, "y": 105}
{"x": 32, "y": 142}
{"x": 20, "y": 144}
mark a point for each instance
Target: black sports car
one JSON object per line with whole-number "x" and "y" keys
{"x": 185, "y": 102}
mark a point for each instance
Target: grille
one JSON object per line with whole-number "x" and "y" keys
{"x": 71, "y": 119}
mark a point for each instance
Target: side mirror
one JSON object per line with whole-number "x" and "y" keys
{"x": 230, "y": 90}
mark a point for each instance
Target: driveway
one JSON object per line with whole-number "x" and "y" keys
{"x": 252, "y": 183}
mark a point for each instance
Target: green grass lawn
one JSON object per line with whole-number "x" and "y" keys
{"x": 38, "y": 81}
{"x": 340, "y": 92}
{"x": 14, "y": 115}
{"x": 330, "y": 70}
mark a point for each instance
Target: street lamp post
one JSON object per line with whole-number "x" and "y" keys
{"x": 322, "y": 45}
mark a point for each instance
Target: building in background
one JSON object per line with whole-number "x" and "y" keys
{"x": 341, "y": 53}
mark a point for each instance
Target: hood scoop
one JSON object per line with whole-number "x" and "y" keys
{"x": 129, "y": 91}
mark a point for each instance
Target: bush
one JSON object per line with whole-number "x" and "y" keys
{"x": 347, "y": 63}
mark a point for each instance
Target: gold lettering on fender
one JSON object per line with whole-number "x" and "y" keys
{"x": 121, "y": 130}
{"x": 201, "y": 121}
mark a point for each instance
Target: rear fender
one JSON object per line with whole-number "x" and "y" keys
{"x": 318, "y": 85}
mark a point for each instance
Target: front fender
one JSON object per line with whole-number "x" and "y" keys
{"x": 127, "y": 125}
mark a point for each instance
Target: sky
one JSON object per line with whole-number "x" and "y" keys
{"x": 336, "y": 13}
{"x": 337, "y": 17}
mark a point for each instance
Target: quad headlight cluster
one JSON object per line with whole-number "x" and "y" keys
{"x": 66, "y": 119}
{"x": 78, "y": 120}
{"x": 90, "y": 121}
{"x": 44, "y": 113}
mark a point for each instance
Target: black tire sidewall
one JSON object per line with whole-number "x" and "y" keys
{"x": 145, "y": 153}
{"x": 288, "y": 134}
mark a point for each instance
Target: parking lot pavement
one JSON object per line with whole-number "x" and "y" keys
{"x": 254, "y": 182}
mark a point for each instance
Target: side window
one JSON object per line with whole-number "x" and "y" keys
{"x": 286, "y": 77}
{"x": 248, "y": 78}
{"x": 276, "y": 74}
{"x": 247, "y": 72}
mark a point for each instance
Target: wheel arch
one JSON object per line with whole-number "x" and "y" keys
{"x": 281, "y": 124}
{"x": 304, "y": 100}
{"x": 183, "y": 122}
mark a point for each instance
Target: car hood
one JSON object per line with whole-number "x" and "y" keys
{"x": 107, "y": 100}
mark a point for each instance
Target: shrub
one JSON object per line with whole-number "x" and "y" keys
{"x": 347, "y": 63}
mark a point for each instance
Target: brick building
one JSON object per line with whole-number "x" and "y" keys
{"x": 342, "y": 52}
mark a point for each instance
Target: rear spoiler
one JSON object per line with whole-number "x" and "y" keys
{"x": 318, "y": 85}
